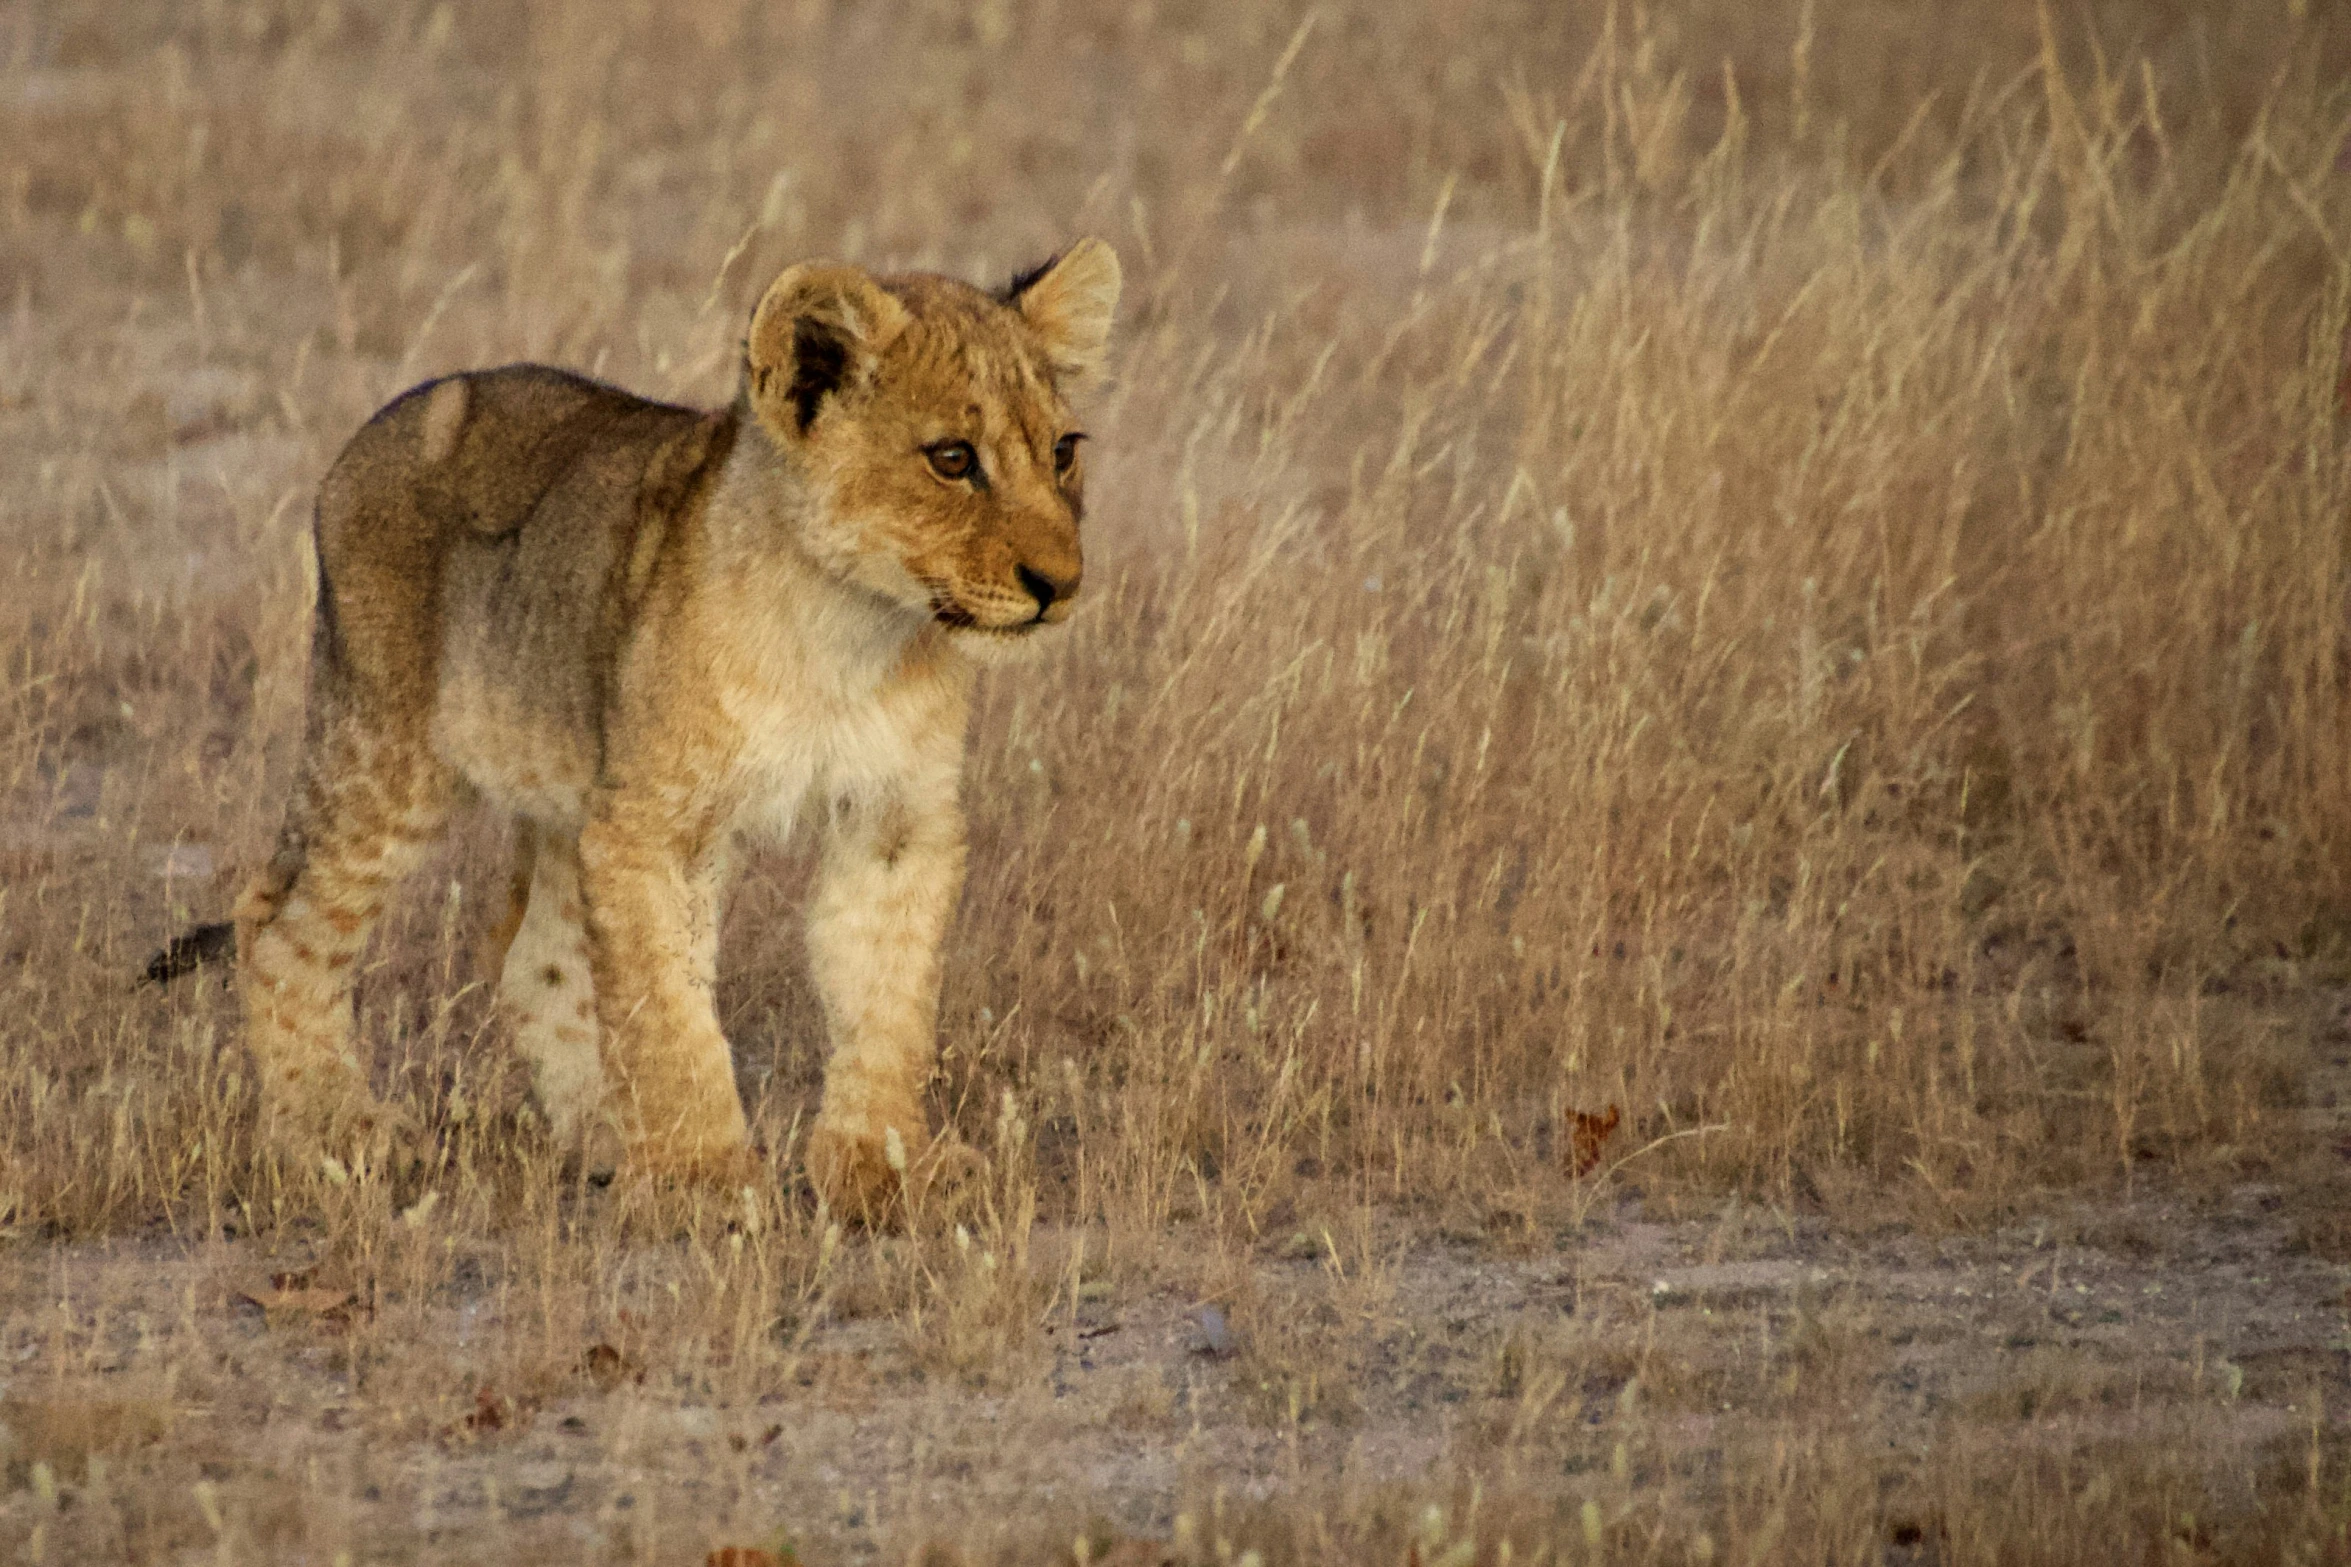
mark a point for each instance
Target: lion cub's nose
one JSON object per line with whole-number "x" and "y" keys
{"x": 1046, "y": 590}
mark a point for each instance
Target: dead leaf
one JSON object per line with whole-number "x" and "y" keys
{"x": 1101, "y": 1545}
{"x": 493, "y": 1411}
{"x": 608, "y": 1367}
{"x": 742, "y": 1443}
{"x": 750, "y": 1556}
{"x": 289, "y": 1301}
{"x": 1590, "y": 1136}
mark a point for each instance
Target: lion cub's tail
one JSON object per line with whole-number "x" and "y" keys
{"x": 190, "y": 951}
{"x": 193, "y": 949}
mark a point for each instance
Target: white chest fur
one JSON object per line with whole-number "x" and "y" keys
{"x": 833, "y": 707}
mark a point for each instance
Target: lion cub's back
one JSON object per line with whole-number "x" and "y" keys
{"x": 485, "y": 450}
{"x": 469, "y": 534}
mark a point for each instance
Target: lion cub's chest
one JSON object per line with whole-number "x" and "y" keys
{"x": 864, "y": 724}
{"x": 791, "y": 767}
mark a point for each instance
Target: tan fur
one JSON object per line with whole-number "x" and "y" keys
{"x": 649, "y": 631}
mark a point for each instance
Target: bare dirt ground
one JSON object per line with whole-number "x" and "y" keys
{"x": 1640, "y": 1362}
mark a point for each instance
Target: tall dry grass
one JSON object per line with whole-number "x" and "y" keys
{"x": 1810, "y": 611}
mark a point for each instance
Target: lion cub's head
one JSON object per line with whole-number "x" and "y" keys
{"x": 929, "y": 419}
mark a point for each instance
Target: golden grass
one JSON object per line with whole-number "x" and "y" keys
{"x": 1780, "y": 569}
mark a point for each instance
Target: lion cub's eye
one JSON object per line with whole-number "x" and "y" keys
{"x": 952, "y": 459}
{"x": 1065, "y": 451}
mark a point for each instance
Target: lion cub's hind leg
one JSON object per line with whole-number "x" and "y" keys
{"x": 548, "y": 994}
{"x": 370, "y": 802}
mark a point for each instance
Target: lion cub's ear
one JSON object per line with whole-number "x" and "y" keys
{"x": 1068, "y": 303}
{"x": 817, "y": 330}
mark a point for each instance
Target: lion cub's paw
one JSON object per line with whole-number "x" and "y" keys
{"x": 330, "y": 1125}
{"x": 726, "y": 1165}
{"x": 882, "y": 1179}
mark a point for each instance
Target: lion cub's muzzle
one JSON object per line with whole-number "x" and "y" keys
{"x": 1054, "y": 591}
{"x": 1038, "y": 595}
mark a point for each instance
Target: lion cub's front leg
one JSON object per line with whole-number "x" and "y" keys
{"x": 652, "y": 896}
{"x": 891, "y": 873}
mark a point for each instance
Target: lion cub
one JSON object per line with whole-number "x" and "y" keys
{"x": 648, "y": 632}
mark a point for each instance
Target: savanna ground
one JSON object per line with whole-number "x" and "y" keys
{"x": 1780, "y": 570}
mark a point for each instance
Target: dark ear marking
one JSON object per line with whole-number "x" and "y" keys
{"x": 820, "y": 358}
{"x": 820, "y": 329}
{"x": 1023, "y": 281}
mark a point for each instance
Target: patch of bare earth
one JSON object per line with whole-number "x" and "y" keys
{"x": 170, "y": 1401}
